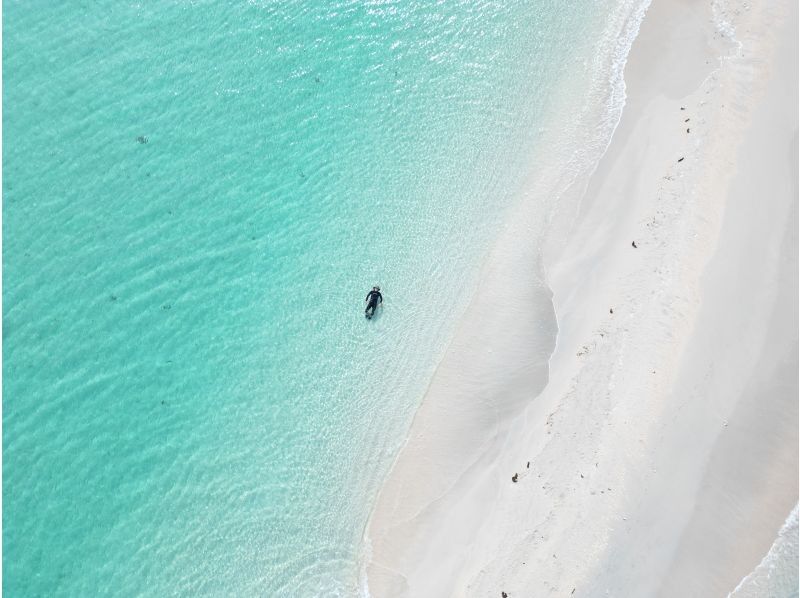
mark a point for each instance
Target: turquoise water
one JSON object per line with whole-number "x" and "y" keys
{"x": 197, "y": 197}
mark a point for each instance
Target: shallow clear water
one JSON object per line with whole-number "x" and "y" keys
{"x": 197, "y": 197}
{"x": 777, "y": 574}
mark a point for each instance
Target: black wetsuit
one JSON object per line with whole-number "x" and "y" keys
{"x": 374, "y": 298}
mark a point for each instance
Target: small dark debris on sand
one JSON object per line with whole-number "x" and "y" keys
{"x": 514, "y": 478}
{"x": 504, "y": 595}
{"x": 682, "y": 108}
{"x": 687, "y": 130}
{"x": 686, "y": 121}
{"x": 142, "y": 139}
{"x": 680, "y": 159}
{"x": 528, "y": 466}
{"x": 611, "y": 311}
{"x": 633, "y": 244}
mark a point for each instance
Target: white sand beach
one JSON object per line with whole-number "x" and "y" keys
{"x": 655, "y": 447}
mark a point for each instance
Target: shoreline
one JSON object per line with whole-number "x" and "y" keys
{"x": 643, "y": 433}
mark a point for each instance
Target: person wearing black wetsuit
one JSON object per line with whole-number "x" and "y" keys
{"x": 374, "y": 299}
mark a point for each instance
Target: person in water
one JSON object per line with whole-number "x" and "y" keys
{"x": 374, "y": 299}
